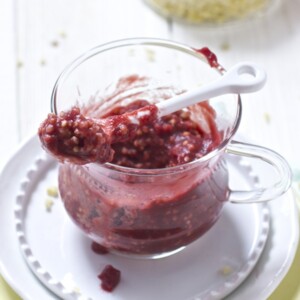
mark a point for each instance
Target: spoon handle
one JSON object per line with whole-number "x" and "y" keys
{"x": 244, "y": 77}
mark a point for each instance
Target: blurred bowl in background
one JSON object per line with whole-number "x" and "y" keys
{"x": 212, "y": 11}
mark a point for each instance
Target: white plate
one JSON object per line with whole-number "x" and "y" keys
{"x": 210, "y": 268}
{"x": 274, "y": 263}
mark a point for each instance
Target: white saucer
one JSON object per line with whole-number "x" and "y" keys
{"x": 233, "y": 251}
{"x": 210, "y": 268}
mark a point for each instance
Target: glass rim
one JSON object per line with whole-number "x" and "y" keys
{"x": 147, "y": 42}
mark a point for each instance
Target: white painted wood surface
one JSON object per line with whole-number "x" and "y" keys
{"x": 39, "y": 37}
{"x": 9, "y": 133}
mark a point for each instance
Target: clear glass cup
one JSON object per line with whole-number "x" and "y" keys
{"x": 153, "y": 213}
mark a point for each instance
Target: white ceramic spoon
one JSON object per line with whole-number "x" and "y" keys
{"x": 244, "y": 77}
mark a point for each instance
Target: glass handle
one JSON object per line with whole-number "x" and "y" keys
{"x": 279, "y": 164}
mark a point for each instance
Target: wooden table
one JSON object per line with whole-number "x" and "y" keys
{"x": 39, "y": 37}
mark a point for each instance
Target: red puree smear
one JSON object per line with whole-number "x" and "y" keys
{"x": 99, "y": 249}
{"x": 110, "y": 278}
{"x": 210, "y": 56}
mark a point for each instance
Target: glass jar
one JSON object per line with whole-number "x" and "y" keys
{"x": 154, "y": 212}
{"x": 212, "y": 11}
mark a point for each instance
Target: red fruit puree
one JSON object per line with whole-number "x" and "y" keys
{"x": 98, "y": 249}
{"x": 110, "y": 278}
{"x": 126, "y": 211}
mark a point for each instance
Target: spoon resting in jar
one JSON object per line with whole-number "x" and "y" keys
{"x": 244, "y": 77}
{"x": 73, "y": 137}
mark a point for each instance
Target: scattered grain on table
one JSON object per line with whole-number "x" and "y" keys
{"x": 70, "y": 285}
{"x": 131, "y": 52}
{"x": 52, "y": 191}
{"x": 267, "y": 118}
{"x": 150, "y": 54}
{"x": 225, "y": 46}
{"x": 226, "y": 270}
{"x": 62, "y": 34}
{"x": 48, "y": 204}
{"x": 43, "y": 62}
{"x": 54, "y": 43}
{"x": 20, "y": 64}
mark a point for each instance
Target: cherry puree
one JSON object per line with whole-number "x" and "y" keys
{"x": 125, "y": 214}
{"x": 123, "y": 211}
{"x": 168, "y": 141}
{"x": 98, "y": 249}
{"x": 210, "y": 56}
